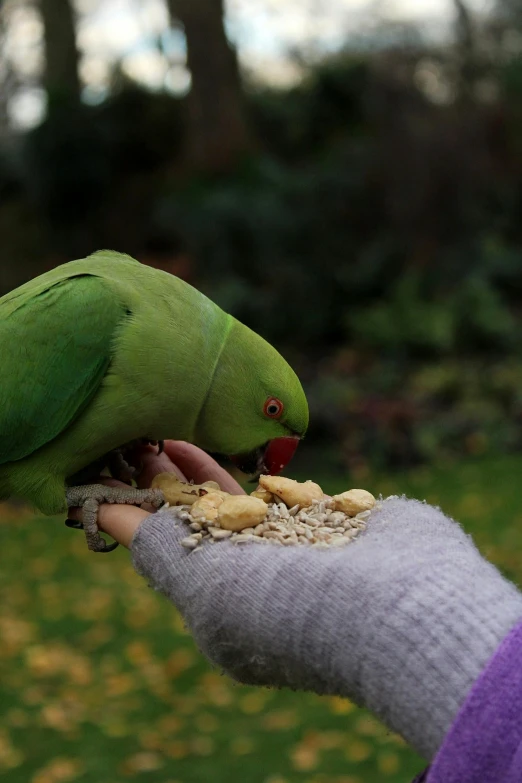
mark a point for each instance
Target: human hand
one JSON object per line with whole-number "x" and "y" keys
{"x": 182, "y": 459}
{"x": 402, "y": 620}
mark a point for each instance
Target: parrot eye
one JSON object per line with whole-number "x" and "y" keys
{"x": 273, "y": 408}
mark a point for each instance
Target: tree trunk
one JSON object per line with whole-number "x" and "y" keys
{"x": 469, "y": 65}
{"x": 8, "y": 79}
{"x": 61, "y": 78}
{"x": 217, "y": 134}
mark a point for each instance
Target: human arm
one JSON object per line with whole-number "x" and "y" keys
{"x": 403, "y": 620}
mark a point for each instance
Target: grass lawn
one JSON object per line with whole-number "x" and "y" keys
{"x": 100, "y": 684}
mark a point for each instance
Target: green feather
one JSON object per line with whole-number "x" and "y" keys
{"x": 56, "y": 351}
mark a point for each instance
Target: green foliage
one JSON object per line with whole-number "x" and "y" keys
{"x": 397, "y": 413}
{"x": 472, "y": 315}
{"x": 76, "y": 163}
{"x": 326, "y": 107}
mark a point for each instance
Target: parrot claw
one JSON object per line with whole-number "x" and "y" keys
{"x": 150, "y": 442}
{"x": 118, "y": 464}
{"x": 109, "y": 547}
{"x": 73, "y": 524}
{"x": 90, "y": 497}
{"x": 76, "y": 525}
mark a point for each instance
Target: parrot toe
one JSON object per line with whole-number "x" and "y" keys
{"x": 119, "y": 467}
{"x": 90, "y": 497}
{"x": 152, "y": 442}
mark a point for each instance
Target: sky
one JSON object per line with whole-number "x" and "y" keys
{"x": 265, "y": 32}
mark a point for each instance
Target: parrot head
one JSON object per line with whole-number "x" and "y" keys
{"x": 255, "y": 411}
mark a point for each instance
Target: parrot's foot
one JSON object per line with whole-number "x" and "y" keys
{"x": 159, "y": 443}
{"x": 119, "y": 467}
{"x": 145, "y": 442}
{"x": 89, "y": 498}
{"x": 117, "y": 463}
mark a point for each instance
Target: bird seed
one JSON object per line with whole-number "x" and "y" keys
{"x": 318, "y": 520}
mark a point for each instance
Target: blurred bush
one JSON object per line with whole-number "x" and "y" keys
{"x": 375, "y": 237}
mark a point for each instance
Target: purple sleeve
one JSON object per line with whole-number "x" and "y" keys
{"x": 484, "y": 744}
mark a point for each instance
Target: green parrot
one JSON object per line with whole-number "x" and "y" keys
{"x": 104, "y": 351}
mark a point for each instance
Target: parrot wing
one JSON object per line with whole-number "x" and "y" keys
{"x": 55, "y": 348}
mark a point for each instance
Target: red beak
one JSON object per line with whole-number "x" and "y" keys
{"x": 271, "y": 458}
{"x": 279, "y": 452}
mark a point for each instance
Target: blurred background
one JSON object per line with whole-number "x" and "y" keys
{"x": 345, "y": 177}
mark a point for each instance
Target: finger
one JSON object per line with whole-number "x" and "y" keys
{"x": 198, "y": 466}
{"x": 153, "y": 463}
{"x": 119, "y": 521}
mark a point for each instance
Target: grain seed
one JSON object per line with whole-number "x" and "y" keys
{"x": 189, "y": 542}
